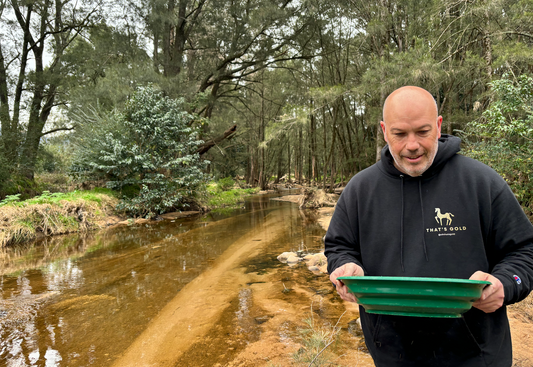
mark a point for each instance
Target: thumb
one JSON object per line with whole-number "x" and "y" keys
{"x": 480, "y": 275}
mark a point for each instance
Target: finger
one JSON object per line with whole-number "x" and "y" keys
{"x": 479, "y": 275}
{"x": 347, "y": 296}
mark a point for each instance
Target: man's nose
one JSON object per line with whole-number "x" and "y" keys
{"x": 412, "y": 142}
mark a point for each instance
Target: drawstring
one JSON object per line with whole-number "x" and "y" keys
{"x": 423, "y": 225}
{"x": 401, "y": 231}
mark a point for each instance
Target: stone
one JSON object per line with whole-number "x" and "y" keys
{"x": 284, "y": 256}
{"x": 293, "y": 259}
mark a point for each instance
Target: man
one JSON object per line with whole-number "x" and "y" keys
{"x": 425, "y": 211}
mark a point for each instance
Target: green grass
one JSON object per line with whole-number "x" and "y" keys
{"x": 217, "y": 198}
{"x": 94, "y": 195}
{"x": 53, "y": 213}
{"x": 316, "y": 341}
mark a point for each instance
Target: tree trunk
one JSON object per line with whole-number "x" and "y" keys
{"x": 380, "y": 140}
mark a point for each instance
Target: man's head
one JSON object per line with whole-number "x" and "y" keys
{"x": 411, "y": 127}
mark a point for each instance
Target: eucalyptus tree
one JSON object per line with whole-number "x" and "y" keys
{"x": 35, "y": 35}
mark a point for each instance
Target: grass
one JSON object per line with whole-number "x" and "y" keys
{"x": 51, "y": 214}
{"x": 95, "y": 195}
{"x": 316, "y": 339}
{"x": 218, "y": 198}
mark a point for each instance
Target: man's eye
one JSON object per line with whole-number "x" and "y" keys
{"x": 399, "y": 134}
{"x": 423, "y": 132}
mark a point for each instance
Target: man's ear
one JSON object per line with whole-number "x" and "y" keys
{"x": 383, "y": 128}
{"x": 439, "y": 125}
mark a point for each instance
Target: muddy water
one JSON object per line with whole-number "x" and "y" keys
{"x": 145, "y": 294}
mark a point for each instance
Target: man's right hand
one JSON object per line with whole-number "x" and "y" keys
{"x": 349, "y": 269}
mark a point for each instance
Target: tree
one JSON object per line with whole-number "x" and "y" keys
{"x": 148, "y": 152}
{"x": 503, "y": 136}
{"x": 37, "y": 30}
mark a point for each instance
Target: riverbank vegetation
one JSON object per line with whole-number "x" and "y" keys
{"x": 52, "y": 214}
{"x": 84, "y": 210}
{"x": 226, "y": 193}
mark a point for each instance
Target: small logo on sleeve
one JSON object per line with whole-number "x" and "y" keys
{"x": 517, "y": 279}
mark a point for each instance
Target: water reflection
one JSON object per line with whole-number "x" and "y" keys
{"x": 80, "y": 301}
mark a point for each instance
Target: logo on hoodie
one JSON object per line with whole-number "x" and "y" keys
{"x": 446, "y": 216}
{"x": 445, "y": 227}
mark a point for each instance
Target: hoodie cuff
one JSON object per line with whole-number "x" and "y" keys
{"x": 509, "y": 288}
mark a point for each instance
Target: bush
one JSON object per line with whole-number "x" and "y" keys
{"x": 148, "y": 153}
{"x": 502, "y": 137}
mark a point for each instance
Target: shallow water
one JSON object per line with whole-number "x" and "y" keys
{"x": 74, "y": 301}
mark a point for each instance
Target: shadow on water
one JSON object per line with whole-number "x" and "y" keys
{"x": 81, "y": 301}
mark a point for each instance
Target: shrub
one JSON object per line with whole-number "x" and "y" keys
{"x": 148, "y": 152}
{"x": 502, "y": 137}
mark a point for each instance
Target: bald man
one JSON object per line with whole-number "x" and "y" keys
{"x": 389, "y": 221}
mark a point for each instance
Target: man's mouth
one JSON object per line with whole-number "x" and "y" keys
{"x": 413, "y": 159}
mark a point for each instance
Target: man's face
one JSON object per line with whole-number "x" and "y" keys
{"x": 412, "y": 131}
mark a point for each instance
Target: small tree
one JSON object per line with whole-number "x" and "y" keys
{"x": 503, "y": 136}
{"x": 148, "y": 152}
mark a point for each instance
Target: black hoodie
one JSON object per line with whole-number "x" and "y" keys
{"x": 458, "y": 217}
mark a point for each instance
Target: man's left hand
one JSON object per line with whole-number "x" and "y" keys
{"x": 493, "y": 295}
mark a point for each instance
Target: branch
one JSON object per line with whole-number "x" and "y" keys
{"x": 478, "y": 40}
{"x": 58, "y": 129}
{"x": 204, "y": 147}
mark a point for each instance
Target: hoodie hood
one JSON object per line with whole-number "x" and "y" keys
{"x": 448, "y": 146}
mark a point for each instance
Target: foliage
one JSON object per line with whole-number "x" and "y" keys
{"x": 316, "y": 340}
{"x": 5, "y": 174}
{"x": 304, "y": 82}
{"x": 151, "y": 147}
{"x": 94, "y": 195}
{"x": 218, "y": 198}
{"x": 225, "y": 183}
{"x": 503, "y": 136}
{"x": 32, "y": 71}
{"x": 51, "y": 214}
{"x": 54, "y": 155}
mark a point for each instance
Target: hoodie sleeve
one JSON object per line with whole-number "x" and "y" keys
{"x": 341, "y": 245}
{"x": 512, "y": 239}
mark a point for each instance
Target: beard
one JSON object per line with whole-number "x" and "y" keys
{"x": 417, "y": 169}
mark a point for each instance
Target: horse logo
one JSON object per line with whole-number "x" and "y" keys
{"x": 441, "y": 216}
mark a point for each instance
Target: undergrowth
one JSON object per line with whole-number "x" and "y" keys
{"x": 51, "y": 214}
{"x": 316, "y": 340}
{"x": 217, "y": 197}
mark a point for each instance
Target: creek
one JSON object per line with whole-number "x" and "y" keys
{"x": 145, "y": 294}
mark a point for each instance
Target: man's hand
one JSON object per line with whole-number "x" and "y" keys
{"x": 492, "y": 297}
{"x": 349, "y": 269}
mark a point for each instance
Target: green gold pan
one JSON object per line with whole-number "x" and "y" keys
{"x": 413, "y": 296}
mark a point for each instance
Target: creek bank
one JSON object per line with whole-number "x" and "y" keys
{"x": 87, "y": 210}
